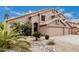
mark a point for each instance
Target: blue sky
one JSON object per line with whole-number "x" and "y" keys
{"x": 71, "y": 12}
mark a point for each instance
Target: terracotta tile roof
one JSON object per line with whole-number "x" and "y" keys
{"x": 73, "y": 24}
{"x": 32, "y": 13}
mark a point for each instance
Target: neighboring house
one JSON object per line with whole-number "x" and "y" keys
{"x": 47, "y": 21}
{"x": 74, "y": 27}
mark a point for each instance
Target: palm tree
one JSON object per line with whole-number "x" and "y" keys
{"x": 6, "y": 16}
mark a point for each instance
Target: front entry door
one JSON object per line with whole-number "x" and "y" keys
{"x": 35, "y": 27}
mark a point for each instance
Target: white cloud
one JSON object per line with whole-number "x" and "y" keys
{"x": 17, "y": 13}
{"x": 65, "y": 13}
{"x": 75, "y": 20}
{"x": 69, "y": 15}
{"x": 30, "y": 11}
{"x": 13, "y": 12}
{"x": 61, "y": 10}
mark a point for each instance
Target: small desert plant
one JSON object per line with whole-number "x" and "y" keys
{"x": 51, "y": 43}
{"x": 37, "y": 35}
{"x": 46, "y": 37}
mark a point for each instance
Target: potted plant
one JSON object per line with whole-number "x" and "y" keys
{"x": 36, "y": 35}
{"x": 46, "y": 37}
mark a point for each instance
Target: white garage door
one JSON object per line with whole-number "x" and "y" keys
{"x": 55, "y": 31}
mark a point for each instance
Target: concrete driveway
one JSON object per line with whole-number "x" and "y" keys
{"x": 67, "y": 43}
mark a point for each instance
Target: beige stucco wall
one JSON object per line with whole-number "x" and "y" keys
{"x": 54, "y": 24}
{"x": 35, "y": 19}
{"x": 47, "y": 15}
{"x": 22, "y": 19}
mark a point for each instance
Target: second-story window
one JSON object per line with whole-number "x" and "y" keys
{"x": 42, "y": 17}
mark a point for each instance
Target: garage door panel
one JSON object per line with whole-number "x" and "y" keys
{"x": 66, "y": 31}
{"x": 55, "y": 31}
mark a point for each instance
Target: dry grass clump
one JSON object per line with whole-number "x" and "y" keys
{"x": 51, "y": 43}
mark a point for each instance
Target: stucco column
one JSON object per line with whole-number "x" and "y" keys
{"x": 39, "y": 20}
{"x": 32, "y": 28}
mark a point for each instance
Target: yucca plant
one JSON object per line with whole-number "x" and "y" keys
{"x": 16, "y": 27}
{"x": 6, "y": 36}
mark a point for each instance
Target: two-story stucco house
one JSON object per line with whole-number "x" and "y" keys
{"x": 47, "y": 21}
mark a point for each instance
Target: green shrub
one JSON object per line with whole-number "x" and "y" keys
{"x": 26, "y": 29}
{"x": 2, "y": 50}
{"x": 37, "y": 35}
{"x": 22, "y": 29}
{"x": 46, "y": 37}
